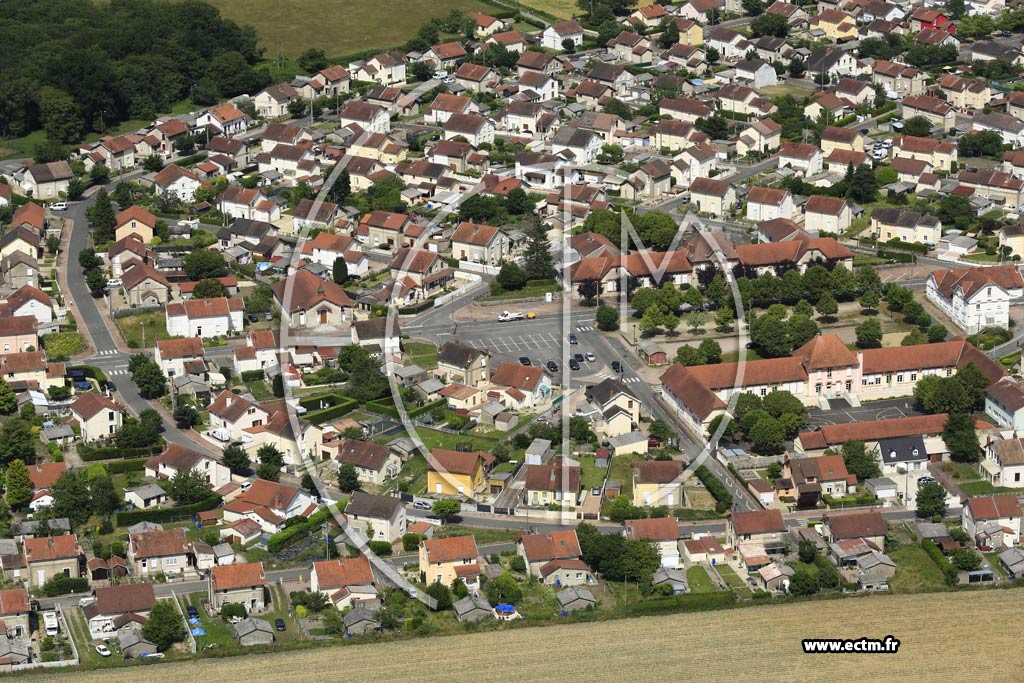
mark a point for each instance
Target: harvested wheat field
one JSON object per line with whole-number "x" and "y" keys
{"x": 940, "y": 634}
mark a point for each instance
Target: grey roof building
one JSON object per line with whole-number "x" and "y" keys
{"x": 574, "y": 598}
{"x": 902, "y": 450}
{"x": 473, "y": 608}
{"x": 361, "y": 620}
{"x": 133, "y": 645}
{"x": 252, "y": 631}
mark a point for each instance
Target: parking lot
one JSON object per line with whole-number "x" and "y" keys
{"x": 842, "y": 413}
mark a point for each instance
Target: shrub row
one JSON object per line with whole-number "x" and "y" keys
{"x": 895, "y": 244}
{"x": 252, "y": 375}
{"x": 947, "y": 569}
{"x": 315, "y": 402}
{"x": 296, "y": 532}
{"x": 189, "y": 160}
{"x": 418, "y": 308}
{"x": 723, "y": 499}
{"x": 387, "y": 407}
{"x": 63, "y": 585}
{"x": 175, "y": 514}
{"x": 896, "y": 256}
{"x": 122, "y": 466}
{"x": 690, "y": 601}
{"x": 346, "y": 406}
{"x": 90, "y": 454}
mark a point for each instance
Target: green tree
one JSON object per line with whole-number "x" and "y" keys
{"x": 441, "y": 595}
{"x": 827, "y": 306}
{"x": 807, "y": 551}
{"x": 753, "y": 7}
{"x": 869, "y": 300}
{"x": 724, "y": 318}
{"x": 185, "y": 416}
{"x": 966, "y": 559}
{"x": 797, "y": 67}
{"x": 446, "y": 508}
{"x": 843, "y": 282}
{"x": 271, "y": 462}
{"x": 803, "y": 582}
{"x": 503, "y": 589}
{"x": 661, "y": 430}
{"x": 150, "y": 380}
{"x": 770, "y": 336}
{"x": 937, "y": 333}
{"x": 538, "y": 260}
{"x": 17, "y": 441}
{"x": 859, "y": 460}
{"x": 95, "y": 280}
{"x": 209, "y": 289}
{"x": 931, "y": 500}
{"x": 99, "y": 174}
{"x": 188, "y": 486}
{"x": 712, "y": 351}
{"x": 769, "y": 25}
{"x": 8, "y": 399}
{"x": 348, "y": 478}
{"x": 869, "y": 334}
{"x": 19, "y": 485}
{"x": 946, "y": 395}
{"x": 511, "y": 277}
{"x": 88, "y": 260}
{"x": 235, "y": 458}
{"x": 670, "y": 33}
{"x": 71, "y": 497}
{"x": 203, "y": 264}
{"x": 917, "y": 126}
{"x": 961, "y": 439}
{"x": 101, "y": 216}
{"x": 312, "y": 60}
{"x": 767, "y": 436}
{"x": 277, "y": 386}
{"x": 164, "y": 626}
{"x": 607, "y": 319}
{"x": 340, "y": 270}
{"x": 801, "y": 329}
{"x": 715, "y": 126}
{"x": 975, "y": 384}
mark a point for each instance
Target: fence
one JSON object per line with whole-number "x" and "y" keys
{"x": 474, "y": 267}
{"x": 127, "y": 312}
{"x": 451, "y": 296}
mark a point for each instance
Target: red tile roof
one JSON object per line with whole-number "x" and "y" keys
{"x": 452, "y": 549}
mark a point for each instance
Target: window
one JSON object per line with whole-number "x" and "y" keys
{"x": 829, "y": 373}
{"x": 817, "y": 389}
{"x": 849, "y": 386}
{"x": 913, "y": 377}
{"x": 899, "y": 378}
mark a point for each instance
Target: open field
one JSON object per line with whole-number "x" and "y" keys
{"x": 714, "y": 648}
{"x": 338, "y": 28}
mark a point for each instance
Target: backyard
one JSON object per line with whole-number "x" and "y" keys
{"x": 422, "y": 354}
{"x": 155, "y": 323}
{"x": 698, "y": 580}
{"x": 915, "y": 571}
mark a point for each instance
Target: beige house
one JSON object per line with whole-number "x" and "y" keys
{"x": 97, "y": 416}
{"x": 15, "y": 610}
{"x": 462, "y": 363}
{"x": 158, "y": 552}
{"x": 713, "y": 197}
{"x": 998, "y": 186}
{"x": 937, "y": 112}
{"x": 767, "y": 203}
{"x": 940, "y": 155}
{"x": 446, "y": 559}
{"x": 833, "y": 138}
{"x": 657, "y": 483}
{"x": 759, "y": 526}
{"x": 143, "y": 284}
{"x": 991, "y": 519}
{"x": 480, "y": 243}
{"x": 762, "y": 136}
{"x": 549, "y": 555}
{"x": 908, "y": 226}
{"x": 273, "y": 102}
{"x": 827, "y": 214}
{"x": 241, "y": 584}
{"x": 135, "y": 221}
{"x": 374, "y": 463}
{"x": 50, "y": 556}
{"x": 381, "y": 518}
{"x": 313, "y": 302}
{"x": 346, "y": 582}
{"x": 618, "y": 409}
{"x": 176, "y": 458}
{"x": 18, "y": 333}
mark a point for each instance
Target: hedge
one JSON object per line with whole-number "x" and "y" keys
{"x": 723, "y": 499}
{"x": 418, "y": 308}
{"x": 189, "y": 160}
{"x": 947, "y": 569}
{"x": 387, "y": 407}
{"x": 346, "y": 406}
{"x": 63, "y": 585}
{"x": 122, "y": 466}
{"x": 252, "y": 375}
{"x": 90, "y": 454}
{"x": 91, "y": 371}
{"x": 175, "y": 514}
{"x": 296, "y": 532}
{"x": 898, "y": 245}
{"x": 689, "y": 601}
{"x": 411, "y": 542}
{"x": 315, "y": 403}
{"x": 896, "y": 256}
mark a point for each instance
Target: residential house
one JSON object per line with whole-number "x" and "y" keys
{"x": 446, "y": 559}
{"x": 663, "y": 532}
{"x": 836, "y": 25}
{"x": 50, "y": 556}
{"x": 554, "y": 558}
{"x": 312, "y": 302}
{"x": 477, "y": 130}
{"x": 456, "y": 473}
{"x": 374, "y": 463}
{"x": 345, "y": 582}
{"x": 554, "y": 36}
{"x": 176, "y": 458}
{"x": 868, "y": 525}
{"x": 172, "y": 355}
{"x": 802, "y": 157}
{"x": 462, "y": 363}
{"x": 618, "y": 408}
{"x": 827, "y": 214}
{"x": 937, "y": 112}
{"x": 522, "y": 386}
{"x": 889, "y": 223}
{"x": 45, "y": 181}
{"x": 371, "y": 118}
{"x": 995, "y": 185}
{"x": 657, "y": 483}
{"x": 764, "y": 203}
{"x": 974, "y": 298}
{"x": 241, "y": 202}
{"x": 765, "y": 527}
{"x": 480, "y": 243}
{"x": 992, "y": 521}
{"x": 206, "y": 318}
{"x": 160, "y": 551}
{"x": 272, "y": 102}
{"x": 714, "y": 197}
{"x": 239, "y": 584}
{"x": 557, "y": 483}
{"x": 382, "y": 517}
{"x": 135, "y": 220}
{"x": 175, "y": 182}
{"x": 97, "y": 416}
{"x": 115, "y": 605}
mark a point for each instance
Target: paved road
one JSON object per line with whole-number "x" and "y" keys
{"x": 107, "y": 357}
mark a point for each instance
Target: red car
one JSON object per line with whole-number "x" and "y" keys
{"x": 653, "y": 443}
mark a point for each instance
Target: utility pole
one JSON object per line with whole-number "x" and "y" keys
{"x": 143, "y": 326}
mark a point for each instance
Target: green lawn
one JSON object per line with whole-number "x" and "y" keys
{"x": 982, "y": 258}
{"x": 984, "y": 488}
{"x": 524, "y": 293}
{"x": 698, "y": 579}
{"x": 592, "y": 475}
{"x": 155, "y": 323}
{"x": 219, "y": 633}
{"x": 422, "y": 354}
{"x": 622, "y": 471}
{"x": 63, "y": 344}
{"x": 915, "y": 571}
{"x": 997, "y": 567}
{"x": 287, "y": 28}
{"x": 259, "y": 390}
{"x": 482, "y": 536}
{"x": 415, "y": 473}
{"x": 734, "y": 356}
{"x": 963, "y": 471}
{"x": 434, "y": 439}
{"x": 733, "y": 580}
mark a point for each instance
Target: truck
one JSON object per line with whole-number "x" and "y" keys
{"x": 506, "y": 316}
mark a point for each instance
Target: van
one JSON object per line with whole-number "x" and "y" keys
{"x": 50, "y": 623}
{"x": 58, "y": 206}
{"x": 113, "y": 284}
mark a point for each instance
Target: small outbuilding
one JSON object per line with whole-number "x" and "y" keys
{"x": 473, "y": 608}
{"x": 252, "y": 631}
{"x": 574, "y": 598}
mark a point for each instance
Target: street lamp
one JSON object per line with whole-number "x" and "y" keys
{"x": 142, "y": 325}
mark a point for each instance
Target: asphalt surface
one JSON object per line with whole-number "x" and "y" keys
{"x": 841, "y": 413}
{"x": 108, "y": 357}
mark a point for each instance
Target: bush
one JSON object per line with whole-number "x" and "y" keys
{"x": 90, "y": 454}
{"x": 382, "y": 548}
{"x": 63, "y": 585}
{"x": 175, "y": 514}
{"x": 288, "y": 536}
{"x": 948, "y": 570}
{"x": 411, "y": 542}
{"x": 122, "y": 466}
{"x": 723, "y": 499}
{"x": 252, "y": 375}
{"x": 518, "y": 564}
{"x": 343, "y": 407}
{"x": 232, "y": 609}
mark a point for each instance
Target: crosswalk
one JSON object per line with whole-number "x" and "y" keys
{"x": 108, "y": 352}
{"x": 116, "y": 372}
{"x": 625, "y": 380}
{"x": 584, "y": 328}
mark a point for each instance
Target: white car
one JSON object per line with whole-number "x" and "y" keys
{"x": 103, "y": 650}
{"x": 58, "y": 206}
{"x": 113, "y": 284}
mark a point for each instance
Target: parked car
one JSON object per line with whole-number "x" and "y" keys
{"x": 591, "y": 357}
{"x": 111, "y": 284}
{"x": 280, "y": 625}
{"x": 596, "y": 491}
{"x": 552, "y": 366}
{"x": 616, "y": 366}
{"x": 58, "y": 206}
{"x": 573, "y": 365}
{"x": 193, "y": 612}
{"x": 523, "y": 360}
{"x": 531, "y": 315}
{"x": 421, "y": 505}
{"x": 578, "y": 357}
{"x": 253, "y": 318}
{"x": 572, "y": 338}
{"x": 653, "y": 442}
{"x": 103, "y": 650}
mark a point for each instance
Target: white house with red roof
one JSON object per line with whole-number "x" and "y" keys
{"x": 269, "y": 504}
{"x": 345, "y": 582}
{"x": 205, "y": 318}
{"x": 521, "y": 386}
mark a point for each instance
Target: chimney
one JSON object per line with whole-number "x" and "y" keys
{"x": 227, "y": 402}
